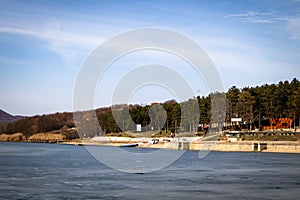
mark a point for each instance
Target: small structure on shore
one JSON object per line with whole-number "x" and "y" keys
{"x": 277, "y": 123}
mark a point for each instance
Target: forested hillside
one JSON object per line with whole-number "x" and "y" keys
{"x": 266, "y": 101}
{"x": 5, "y": 117}
{"x": 249, "y": 103}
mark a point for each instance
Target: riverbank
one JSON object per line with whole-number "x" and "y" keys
{"x": 192, "y": 143}
{"x": 178, "y": 143}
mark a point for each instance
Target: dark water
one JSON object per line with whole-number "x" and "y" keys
{"x": 50, "y": 171}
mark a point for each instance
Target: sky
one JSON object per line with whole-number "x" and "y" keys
{"x": 43, "y": 45}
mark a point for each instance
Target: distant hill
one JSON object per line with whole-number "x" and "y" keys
{"x": 5, "y": 117}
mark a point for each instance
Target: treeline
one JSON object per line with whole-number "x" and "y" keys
{"x": 266, "y": 101}
{"x": 38, "y": 124}
{"x": 249, "y": 103}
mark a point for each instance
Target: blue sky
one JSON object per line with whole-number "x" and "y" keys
{"x": 44, "y": 43}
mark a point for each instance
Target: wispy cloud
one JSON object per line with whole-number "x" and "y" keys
{"x": 289, "y": 23}
{"x": 8, "y": 60}
{"x": 253, "y": 17}
{"x": 65, "y": 43}
{"x": 67, "y": 37}
{"x": 67, "y": 32}
{"x": 293, "y": 26}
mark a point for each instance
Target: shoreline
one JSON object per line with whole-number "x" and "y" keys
{"x": 177, "y": 143}
{"x": 198, "y": 145}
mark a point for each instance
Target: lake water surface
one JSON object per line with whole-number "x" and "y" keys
{"x": 53, "y": 171}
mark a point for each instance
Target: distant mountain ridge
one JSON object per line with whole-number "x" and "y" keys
{"x": 6, "y": 117}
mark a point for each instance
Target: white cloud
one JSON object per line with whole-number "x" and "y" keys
{"x": 253, "y": 17}
{"x": 247, "y": 14}
{"x": 293, "y": 26}
{"x": 290, "y": 23}
{"x": 67, "y": 44}
{"x": 67, "y": 38}
{"x": 8, "y": 60}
